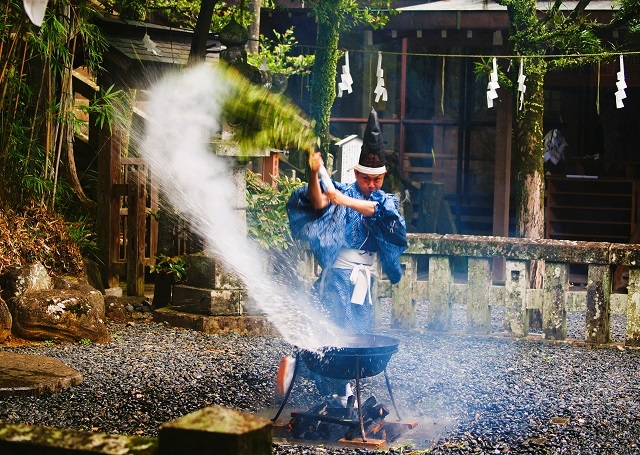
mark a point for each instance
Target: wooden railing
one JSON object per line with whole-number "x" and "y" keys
{"x": 480, "y": 294}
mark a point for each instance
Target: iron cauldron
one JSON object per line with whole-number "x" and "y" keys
{"x": 356, "y": 356}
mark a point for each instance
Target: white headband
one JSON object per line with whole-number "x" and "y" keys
{"x": 370, "y": 170}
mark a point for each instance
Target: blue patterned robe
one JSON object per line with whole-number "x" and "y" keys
{"x": 337, "y": 227}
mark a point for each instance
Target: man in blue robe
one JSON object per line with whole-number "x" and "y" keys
{"x": 349, "y": 227}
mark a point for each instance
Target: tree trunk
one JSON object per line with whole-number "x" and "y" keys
{"x": 528, "y": 163}
{"x": 254, "y": 27}
{"x": 323, "y": 83}
{"x": 198, "y": 50}
{"x": 528, "y": 156}
{"x": 527, "y": 160}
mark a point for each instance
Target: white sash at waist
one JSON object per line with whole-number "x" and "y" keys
{"x": 362, "y": 266}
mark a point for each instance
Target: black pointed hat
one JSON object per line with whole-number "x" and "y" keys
{"x": 372, "y": 155}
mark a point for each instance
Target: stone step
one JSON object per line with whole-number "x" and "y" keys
{"x": 32, "y": 375}
{"x": 212, "y": 302}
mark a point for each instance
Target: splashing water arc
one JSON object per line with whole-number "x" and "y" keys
{"x": 183, "y": 114}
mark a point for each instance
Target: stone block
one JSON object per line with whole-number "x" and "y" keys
{"x": 440, "y": 279}
{"x": 598, "y": 314}
{"x": 242, "y": 325}
{"x": 33, "y": 375}
{"x": 226, "y": 280}
{"x": 403, "y": 303}
{"x": 554, "y": 306}
{"x": 206, "y": 272}
{"x": 516, "y": 317}
{"x": 479, "y": 295}
{"x": 216, "y": 430}
{"x": 190, "y": 299}
{"x": 200, "y": 270}
{"x": 633, "y": 308}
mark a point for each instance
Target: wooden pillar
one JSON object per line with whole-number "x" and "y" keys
{"x": 108, "y": 204}
{"x": 403, "y": 302}
{"x": 479, "y": 296}
{"x": 136, "y": 230}
{"x": 270, "y": 168}
{"x": 554, "y": 306}
{"x": 502, "y": 176}
{"x": 598, "y": 304}
{"x": 440, "y": 279}
{"x": 633, "y": 308}
{"x": 516, "y": 316}
{"x": 430, "y": 200}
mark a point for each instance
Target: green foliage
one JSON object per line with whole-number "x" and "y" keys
{"x": 483, "y": 68}
{"x": 85, "y": 341}
{"x": 82, "y": 232}
{"x": 375, "y": 13}
{"x": 106, "y": 107}
{"x": 133, "y": 10}
{"x": 277, "y": 55}
{"x": 170, "y": 265}
{"x": 267, "y": 220}
{"x": 265, "y": 120}
{"x": 179, "y": 13}
{"x": 36, "y": 62}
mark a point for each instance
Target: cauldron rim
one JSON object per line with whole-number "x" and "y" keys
{"x": 361, "y": 343}
{"x": 370, "y": 352}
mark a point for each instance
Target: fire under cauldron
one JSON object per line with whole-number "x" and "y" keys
{"x": 355, "y": 357}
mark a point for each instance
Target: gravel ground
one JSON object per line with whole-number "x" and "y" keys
{"x": 470, "y": 394}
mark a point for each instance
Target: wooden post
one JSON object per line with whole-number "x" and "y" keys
{"x": 554, "y": 307}
{"x": 502, "y": 176}
{"x": 598, "y": 304}
{"x": 270, "y": 168}
{"x": 633, "y": 308}
{"x": 136, "y": 198}
{"x": 108, "y": 213}
{"x": 430, "y": 199}
{"x": 403, "y": 302}
{"x": 440, "y": 279}
{"x": 516, "y": 316}
{"x": 479, "y": 295}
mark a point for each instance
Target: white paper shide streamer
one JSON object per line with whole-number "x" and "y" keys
{"x": 35, "y": 10}
{"x": 345, "y": 78}
{"x": 380, "y": 90}
{"x": 521, "y": 87}
{"x": 493, "y": 85}
{"x": 150, "y": 45}
{"x": 621, "y": 84}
